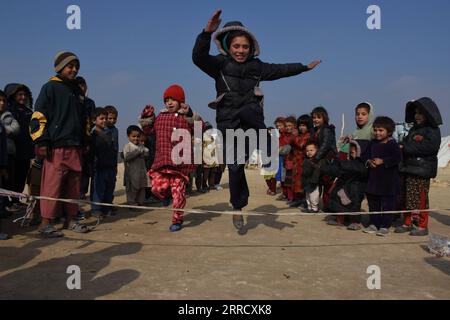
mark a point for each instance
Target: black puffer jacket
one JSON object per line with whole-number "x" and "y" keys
{"x": 421, "y": 145}
{"x": 325, "y": 137}
{"x": 241, "y": 78}
{"x": 22, "y": 113}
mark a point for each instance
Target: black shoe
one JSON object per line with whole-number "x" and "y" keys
{"x": 238, "y": 221}
{"x": 419, "y": 232}
{"x": 403, "y": 229}
{"x": 295, "y": 204}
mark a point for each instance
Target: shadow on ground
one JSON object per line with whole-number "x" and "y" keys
{"x": 442, "y": 218}
{"x": 48, "y": 279}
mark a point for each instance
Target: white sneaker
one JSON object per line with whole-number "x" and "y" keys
{"x": 218, "y": 187}
{"x": 13, "y": 208}
{"x": 370, "y": 229}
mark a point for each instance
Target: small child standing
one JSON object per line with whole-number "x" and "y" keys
{"x": 280, "y": 125}
{"x": 420, "y": 148}
{"x": 383, "y": 157}
{"x": 10, "y": 129}
{"x": 134, "y": 154}
{"x": 170, "y": 179}
{"x": 270, "y": 175}
{"x": 105, "y": 164}
{"x": 311, "y": 178}
{"x": 364, "y": 116}
{"x": 111, "y": 121}
{"x": 305, "y": 127}
{"x": 289, "y": 159}
{"x": 350, "y": 186}
{"x": 325, "y": 138}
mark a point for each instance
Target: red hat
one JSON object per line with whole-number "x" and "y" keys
{"x": 175, "y": 92}
{"x": 148, "y": 112}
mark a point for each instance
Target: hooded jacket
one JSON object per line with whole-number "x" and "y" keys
{"x": 22, "y": 113}
{"x": 351, "y": 178}
{"x": 12, "y": 129}
{"x": 236, "y": 82}
{"x": 60, "y": 118}
{"x": 421, "y": 145}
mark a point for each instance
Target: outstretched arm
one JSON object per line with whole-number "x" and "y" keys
{"x": 200, "y": 54}
{"x": 271, "y": 71}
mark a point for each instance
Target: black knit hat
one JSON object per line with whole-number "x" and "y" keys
{"x": 62, "y": 59}
{"x": 2, "y": 94}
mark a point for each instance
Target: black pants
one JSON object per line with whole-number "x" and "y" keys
{"x": 21, "y": 168}
{"x": 251, "y": 117}
{"x": 380, "y": 203}
{"x": 199, "y": 177}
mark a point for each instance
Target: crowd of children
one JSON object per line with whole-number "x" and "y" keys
{"x": 65, "y": 147}
{"x": 392, "y": 175}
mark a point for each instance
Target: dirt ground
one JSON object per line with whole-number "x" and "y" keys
{"x": 134, "y": 256}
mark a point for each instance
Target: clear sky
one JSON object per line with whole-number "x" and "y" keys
{"x": 130, "y": 51}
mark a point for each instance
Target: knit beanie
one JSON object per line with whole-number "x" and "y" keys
{"x": 2, "y": 94}
{"x": 62, "y": 59}
{"x": 175, "y": 92}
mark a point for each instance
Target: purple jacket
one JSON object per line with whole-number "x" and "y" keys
{"x": 385, "y": 179}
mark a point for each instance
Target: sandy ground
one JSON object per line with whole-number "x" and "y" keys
{"x": 134, "y": 256}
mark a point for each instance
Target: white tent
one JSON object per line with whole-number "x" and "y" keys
{"x": 444, "y": 152}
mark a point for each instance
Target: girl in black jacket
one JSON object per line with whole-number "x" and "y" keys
{"x": 325, "y": 137}
{"x": 420, "y": 148}
{"x": 237, "y": 74}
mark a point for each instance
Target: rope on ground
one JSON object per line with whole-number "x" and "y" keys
{"x": 32, "y": 201}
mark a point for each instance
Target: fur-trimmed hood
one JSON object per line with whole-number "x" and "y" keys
{"x": 358, "y": 147}
{"x": 12, "y": 88}
{"x": 429, "y": 108}
{"x": 220, "y": 37}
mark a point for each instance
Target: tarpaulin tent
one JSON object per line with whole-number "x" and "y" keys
{"x": 444, "y": 152}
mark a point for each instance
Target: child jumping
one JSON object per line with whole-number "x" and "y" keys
{"x": 237, "y": 74}
{"x": 420, "y": 148}
{"x": 170, "y": 179}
